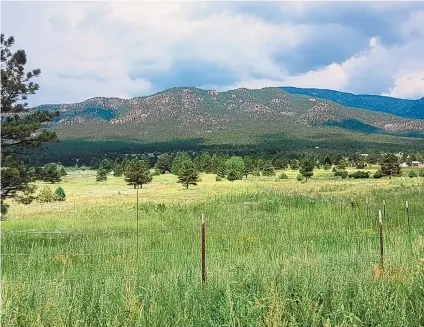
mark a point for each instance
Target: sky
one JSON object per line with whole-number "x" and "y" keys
{"x": 128, "y": 49}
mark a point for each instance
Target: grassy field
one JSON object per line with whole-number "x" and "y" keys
{"x": 279, "y": 253}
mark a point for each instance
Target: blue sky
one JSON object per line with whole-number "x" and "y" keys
{"x": 127, "y": 49}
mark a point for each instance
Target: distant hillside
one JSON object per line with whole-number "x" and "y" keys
{"x": 268, "y": 118}
{"x": 394, "y": 106}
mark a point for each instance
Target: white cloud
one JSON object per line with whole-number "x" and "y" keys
{"x": 408, "y": 85}
{"x": 373, "y": 41}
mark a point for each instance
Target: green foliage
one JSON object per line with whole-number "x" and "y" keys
{"x": 389, "y": 165}
{"x": 137, "y": 173}
{"x": 50, "y": 173}
{"x": 327, "y": 167}
{"x": 268, "y": 169}
{"x": 412, "y": 174}
{"x": 361, "y": 164}
{"x": 59, "y": 194}
{"x": 164, "y": 163}
{"x": 307, "y": 168}
{"x": 235, "y": 167}
{"x": 106, "y": 165}
{"x": 20, "y": 128}
{"x": 256, "y": 172}
{"x": 101, "y": 175}
{"x": 218, "y": 179}
{"x": 360, "y": 174}
{"x": 45, "y": 195}
{"x": 156, "y": 172}
{"x": 283, "y": 176}
{"x": 178, "y": 161}
{"x": 299, "y": 177}
{"x": 294, "y": 164}
{"x": 378, "y": 174}
{"x": 118, "y": 170}
{"x": 327, "y": 161}
{"x": 203, "y": 162}
{"x": 187, "y": 174}
{"x": 342, "y": 173}
{"x": 421, "y": 172}
{"x": 341, "y": 165}
{"x": 249, "y": 165}
{"x": 62, "y": 171}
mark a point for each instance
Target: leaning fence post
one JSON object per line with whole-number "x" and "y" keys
{"x": 203, "y": 232}
{"x": 409, "y": 221}
{"x": 380, "y": 229}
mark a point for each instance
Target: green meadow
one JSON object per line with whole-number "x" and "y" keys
{"x": 278, "y": 253}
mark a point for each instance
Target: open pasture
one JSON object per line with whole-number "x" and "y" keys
{"x": 278, "y": 253}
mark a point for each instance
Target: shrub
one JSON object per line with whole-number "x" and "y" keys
{"x": 360, "y": 174}
{"x": 283, "y": 176}
{"x": 378, "y": 174}
{"x": 421, "y": 173}
{"x": 327, "y": 167}
{"x": 59, "y": 194}
{"x": 299, "y": 177}
{"x": 218, "y": 179}
{"x": 45, "y": 195}
{"x": 256, "y": 172}
{"x": 412, "y": 174}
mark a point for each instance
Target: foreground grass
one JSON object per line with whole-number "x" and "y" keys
{"x": 276, "y": 256}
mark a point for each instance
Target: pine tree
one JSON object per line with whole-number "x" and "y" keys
{"x": 101, "y": 175}
{"x": 59, "y": 194}
{"x": 20, "y": 127}
{"x": 268, "y": 169}
{"x": 51, "y": 173}
{"x": 307, "y": 168}
{"x": 188, "y": 175}
{"x": 389, "y": 166}
{"x": 178, "y": 161}
{"x": 235, "y": 166}
{"x": 249, "y": 166}
{"x": 164, "y": 163}
{"x": 46, "y": 195}
{"x": 117, "y": 170}
{"x": 294, "y": 164}
{"x": 137, "y": 173}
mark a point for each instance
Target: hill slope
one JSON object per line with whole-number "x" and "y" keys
{"x": 399, "y": 107}
{"x": 239, "y": 116}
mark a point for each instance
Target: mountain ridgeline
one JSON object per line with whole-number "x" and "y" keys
{"x": 268, "y": 118}
{"x": 398, "y": 107}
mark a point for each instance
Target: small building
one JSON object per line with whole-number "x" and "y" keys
{"x": 417, "y": 164}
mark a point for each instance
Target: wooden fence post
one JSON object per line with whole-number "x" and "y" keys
{"x": 203, "y": 232}
{"x": 384, "y": 209}
{"x": 409, "y": 220}
{"x": 368, "y": 208}
{"x": 380, "y": 229}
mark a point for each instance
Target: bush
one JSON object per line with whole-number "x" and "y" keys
{"x": 360, "y": 174}
{"x": 256, "y": 173}
{"x": 378, "y": 174}
{"x": 59, "y": 194}
{"x": 299, "y": 177}
{"x": 218, "y": 179}
{"x": 412, "y": 174}
{"x": 421, "y": 173}
{"x": 45, "y": 195}
{"x": 342, "y": 173}
{"x": 156, "y": 172}
{"x": 327, "y": 167}
{"x": 283, "y": 176}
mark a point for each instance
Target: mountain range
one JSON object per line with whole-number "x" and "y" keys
{"x": 242, "y": 116}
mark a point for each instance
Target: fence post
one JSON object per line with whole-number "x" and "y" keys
{"x": 380, "y": 229}
{"x": 203, "y": 232}
{"x": 384, "y": 209}
{"x": 368, "y": 208}
{"x": 409, "y": 221}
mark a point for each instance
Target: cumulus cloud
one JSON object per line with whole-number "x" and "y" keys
{"x": 128, "y": 49}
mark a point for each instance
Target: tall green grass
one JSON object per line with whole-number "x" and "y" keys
{"x": 273, "y": 259}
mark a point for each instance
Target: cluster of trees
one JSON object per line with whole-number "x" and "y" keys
{"x": 413, "y": 173}
{"x": 46, "y": 195}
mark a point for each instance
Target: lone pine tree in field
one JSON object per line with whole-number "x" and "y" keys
{"x": 101, "y": 175}
{"x": 137, "y": 173}
{"x": 307, "y": 168}
{"x": 59, "y": 194}
{"x": 235, "y": 168}
{"x": 20, "y": 127}
{"x": 389, "y": 166}
{"x": 188, "y": 175}
{"x": 178, "y": 161}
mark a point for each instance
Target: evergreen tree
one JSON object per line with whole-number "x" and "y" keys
{"x": 412, "y": 174}
{"x": 236, "y": 166}
{"x": 421, "y": 173}
{"x": 327, "y": 161}
{"x": 327, "y": 167}
{"x": 178, "y": 161}
{"x": 51, "y": 173}
{"x": 278, "y": 163}
{"x": 101, "y": 175}
{"x": 341, "y": 165}
{"x": 118, "y": 170}
{"x": 294, "y": 164}
{"x": 268, "y": 169}
{"x": 187, "y": 174}
{"x": 389, "y": 166}
{"x": 137, "y": 173}
{"x": 249, "y": 166}
{"x": 62, "y": 172}
{"x": 45, "y": 195}
{"x": 59, "y": 194}
{"x": 164, "y": 163}
{"x": 20, "y": 128}
{"x": 307, "y": 168}
{"x": 233, "y": 175}
{"x": 106, "y": 165}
